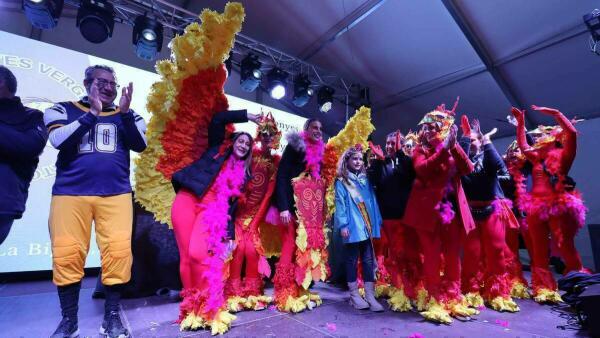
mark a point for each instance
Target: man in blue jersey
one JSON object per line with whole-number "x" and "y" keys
{"x": 94, "y": 137}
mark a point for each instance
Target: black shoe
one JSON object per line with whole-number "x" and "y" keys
{"x": 112, "y": 326}
{"x": 66, "y": 329}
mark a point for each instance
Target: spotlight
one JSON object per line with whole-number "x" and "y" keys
{"x": 250, "y": 74}
{"x": 96, "y": 20}
{"x": 325, "y": 98}
{"x": 277, "y": 79}
{"x": 147, "y": 37}
{"x": 43, "y": 14}
{"x": 592, "y": 21}
{"x": 302, "y": 91}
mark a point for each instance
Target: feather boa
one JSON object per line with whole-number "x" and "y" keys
{"x": 215, "y": 217}
{"x": 565, "y": 203}
{"x": 446, "y": 212}
{"x": 313, "y": 155}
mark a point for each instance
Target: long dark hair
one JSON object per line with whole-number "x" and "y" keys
{"x": 248, "y": 157}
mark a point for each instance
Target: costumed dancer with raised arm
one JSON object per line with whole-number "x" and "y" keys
{"x": 438, "y": 210}
{"x": 248, "y": 293}
{"x": 192, "y": 152}
{"x": 554, "y": 208}
{"x": 485, "y": 274}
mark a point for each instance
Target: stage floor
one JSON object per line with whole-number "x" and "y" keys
{"x": 32, "y": 310}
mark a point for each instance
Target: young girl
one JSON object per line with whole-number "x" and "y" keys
{"x": 358, "y": 219}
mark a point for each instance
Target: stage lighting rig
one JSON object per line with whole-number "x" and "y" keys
{"x": 250, "y": 73}
{"x": 592, "y": 21}
{"x": 277, "y": 79}
{"x": 302, "y": 90}
{"x": 325, "y": 98}
{"x": 43, "y": 14}
{"x": 147, "y": 37}
{"x": 96, "y": 20}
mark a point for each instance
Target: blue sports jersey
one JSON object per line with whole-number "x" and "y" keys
{"x": 94, "y": 160}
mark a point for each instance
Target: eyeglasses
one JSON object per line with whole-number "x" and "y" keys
{"x": 104, "y": 83}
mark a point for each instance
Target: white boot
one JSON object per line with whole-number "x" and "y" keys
{"x": 355, "y": 299}
{"x": 370, "y": 297}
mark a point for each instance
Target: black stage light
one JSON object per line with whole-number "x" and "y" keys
{"x": 277, "y": 79}
{"x": 147, "y": 37}
{"x": 43, "y": 14}
{"x": 592, "y": 21}
{"x": 250, "y": 73}
{"x": 302, "y": 90}
{"x": 96, "y": 20}
{"x": 325, "y": 98}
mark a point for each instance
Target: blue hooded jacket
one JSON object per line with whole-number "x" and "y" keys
{"x": 347, "y": 213}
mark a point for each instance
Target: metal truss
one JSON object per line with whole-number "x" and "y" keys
{"x": 176, "y": 18}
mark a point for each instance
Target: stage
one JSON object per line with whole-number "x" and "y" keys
{"x": 31, "y": 309}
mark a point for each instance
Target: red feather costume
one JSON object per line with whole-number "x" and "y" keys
{"x": 249, "y": 292}
{"x": 438, "y": 210}
{"x": 553, "y": 207}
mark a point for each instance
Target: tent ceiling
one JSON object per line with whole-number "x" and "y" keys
{"x": 417, "y": 54}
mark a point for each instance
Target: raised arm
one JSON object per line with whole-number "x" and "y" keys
{"x": 521, "y": 138}
{"x": 569, "y": 142}
{"x": 216, "y": 129}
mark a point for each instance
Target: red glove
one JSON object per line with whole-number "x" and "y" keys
{"x": 465, "y": 126}
{"x": 519, "y": 115}
{"x": 376, "y": 151}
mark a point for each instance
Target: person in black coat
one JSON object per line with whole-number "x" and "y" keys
{"x": 22, "y": 140}
{"x": 203, "y": 215}
{"x": 397, "y": 251}
{"x": 293, "y": 162}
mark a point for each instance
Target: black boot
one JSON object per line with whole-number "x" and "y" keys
{"x": 69, "y": 304}
{"x": 112, "y": 326}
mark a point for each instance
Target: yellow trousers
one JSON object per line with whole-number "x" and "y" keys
{"x": 70, "y": 226}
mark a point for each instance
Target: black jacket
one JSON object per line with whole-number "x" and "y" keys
{"x": 392, "y": 180}
{"x": 23, "y": 137}
{"x": 291, "y": 165}
{"x": 198, "y": 176}
{"x": 483, "y": 184}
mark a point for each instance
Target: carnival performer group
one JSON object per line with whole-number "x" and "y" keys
{"x": 430, "y": 224}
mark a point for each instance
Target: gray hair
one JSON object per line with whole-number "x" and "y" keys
{"x": 9, "y": 79}
{"x": 89, "y": 71}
